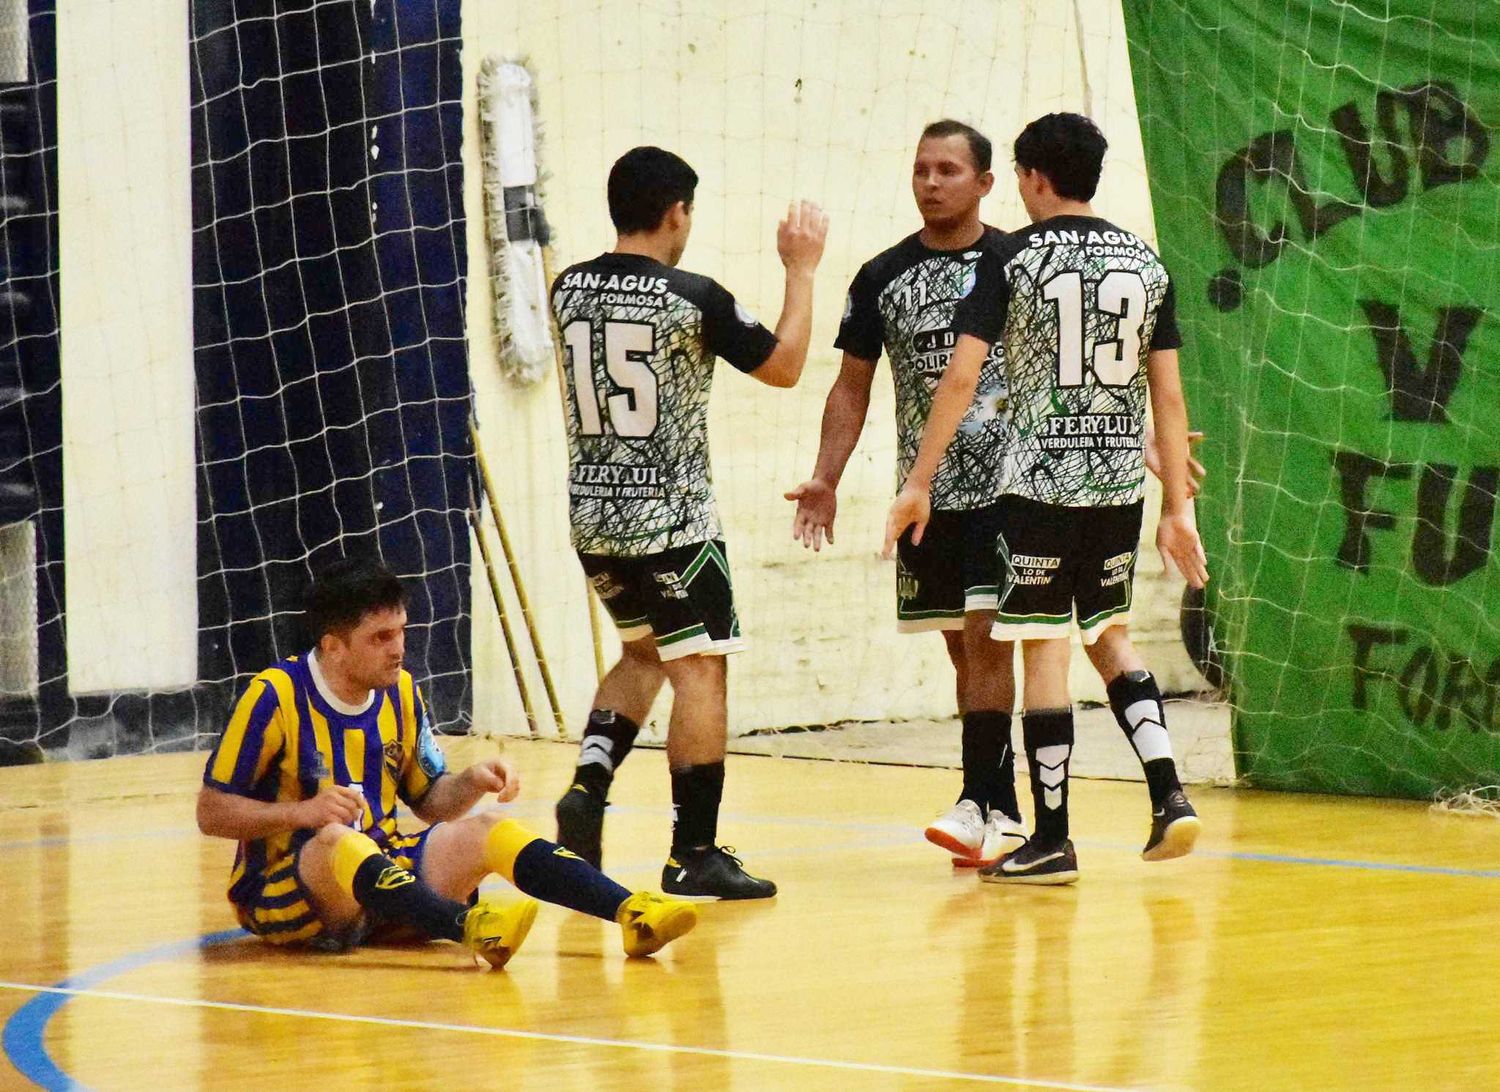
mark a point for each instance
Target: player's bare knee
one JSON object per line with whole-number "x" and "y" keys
{"x": 993, "y": 658}
{"x": 1113, "y": 654}
{"x": 330, "y": 835}
{"x": 1043, "y": 650}
{"x": 641, "y": 655}
{"x": 696, "y": 672}
{"x": 979, "y": 647}
{"x": 471, "y": 831}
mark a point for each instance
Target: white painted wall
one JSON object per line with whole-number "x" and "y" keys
{"x": 125, "y": 231}
{"x": 771, "y": 101}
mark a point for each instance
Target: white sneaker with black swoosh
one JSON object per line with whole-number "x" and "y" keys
{"x": 1035, "y": 864}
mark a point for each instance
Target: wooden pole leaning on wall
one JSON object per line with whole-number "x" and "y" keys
{"x": 595, "y": 629}
{"x": 510, "y": 639}
{"x": 493, "y": 497}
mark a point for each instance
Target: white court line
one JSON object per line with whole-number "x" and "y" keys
{"x": 552, "y": 1037}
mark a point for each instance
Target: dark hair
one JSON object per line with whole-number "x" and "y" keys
{"x": 980, "y": 149}
{"x": 1068, "y": 149}
{"x": 643, "y": 184}
{"x": 345, "y": 591}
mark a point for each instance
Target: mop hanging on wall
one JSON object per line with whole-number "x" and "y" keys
{"x": 515, "y": 225}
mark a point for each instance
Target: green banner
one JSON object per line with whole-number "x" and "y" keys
{"x": 1327, "y": 197}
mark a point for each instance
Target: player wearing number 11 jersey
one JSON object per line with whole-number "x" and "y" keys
{"x": 640, "y": 338}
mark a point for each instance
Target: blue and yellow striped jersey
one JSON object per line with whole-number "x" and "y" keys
{"x": 288, "y": 739}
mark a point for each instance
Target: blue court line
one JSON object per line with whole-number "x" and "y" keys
{"x": 890, "y": 829}
{"x": 1335, "y": 862}
{"x": 24, "y": 1037}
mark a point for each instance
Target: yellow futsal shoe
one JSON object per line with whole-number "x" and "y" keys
{"x": 495, "y": 930}
{"x": 650, "y": 922}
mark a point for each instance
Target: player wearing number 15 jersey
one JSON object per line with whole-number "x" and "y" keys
{"x": 1085, "y": 313}
{"x": 640, "y": 338}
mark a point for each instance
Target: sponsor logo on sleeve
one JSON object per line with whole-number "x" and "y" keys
{"x": 429, "y": 755}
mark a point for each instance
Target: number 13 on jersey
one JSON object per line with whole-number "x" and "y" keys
{"x": 1120, "y": 295}
{"x": 627, "y": 354}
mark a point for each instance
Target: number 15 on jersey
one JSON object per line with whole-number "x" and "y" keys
{"x": 628, "y": 346}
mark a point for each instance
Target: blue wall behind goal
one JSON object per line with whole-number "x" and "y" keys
{"x": 31, "y": 451}
{"x": 328, "y": 271}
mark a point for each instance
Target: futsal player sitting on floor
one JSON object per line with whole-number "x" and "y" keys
{"x": 307, "y": 776}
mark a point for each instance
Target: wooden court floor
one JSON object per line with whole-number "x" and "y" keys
{"x": 1312, "y": 943}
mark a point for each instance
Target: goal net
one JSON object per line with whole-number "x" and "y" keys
{"x": 1325, "y": 189}
{"x": 250, "y": 292}
{"x": 235, "y": 349}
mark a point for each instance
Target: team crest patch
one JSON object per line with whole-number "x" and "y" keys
{"x": 318, "y": 770}
{"x": 392, "y": 752}
{"x": 907, "y": 586}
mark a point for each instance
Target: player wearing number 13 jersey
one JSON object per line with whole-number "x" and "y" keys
{"x": 640, "y": 338}
{"x": 1068, "y": 288}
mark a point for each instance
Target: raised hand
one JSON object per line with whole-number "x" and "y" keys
{"x": 817, "y": 505}
{"x": 800, "y": 237}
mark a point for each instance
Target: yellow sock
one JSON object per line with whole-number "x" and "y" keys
{"x": 503, "y": 845}
{"x": 352, "y": 850}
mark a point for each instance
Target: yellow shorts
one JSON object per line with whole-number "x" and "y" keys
{"x": 279, "y": 910}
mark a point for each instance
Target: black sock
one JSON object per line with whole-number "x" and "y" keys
{"x": 393, "y": 893}
{"x": 1136, "y": 703}
{"x": 607, "y": 739}
{"x": 1049, "y": 745}
{"x": 546, "y": 871}
{"x": 696, "y": 792}
{"x": 989, "y": 762}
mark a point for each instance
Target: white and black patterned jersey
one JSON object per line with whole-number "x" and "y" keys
{"x": 639, "y": 341}
{"x": 1077, "y": 303}
{"x": 903, "y": 300}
